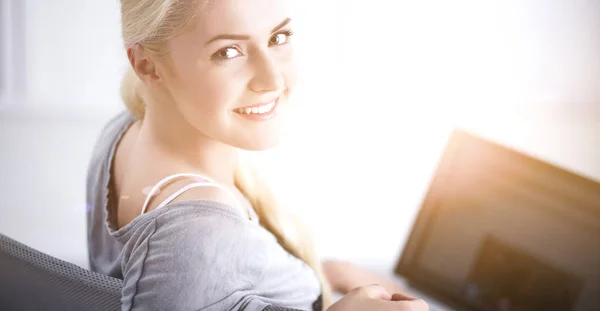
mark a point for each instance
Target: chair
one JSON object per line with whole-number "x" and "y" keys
{"x": 32, "y": 280}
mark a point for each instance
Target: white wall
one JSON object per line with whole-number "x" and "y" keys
{"x": 382, "y": 87}
{"x": 75, "y": 56}
{"x": 417, "y": 54}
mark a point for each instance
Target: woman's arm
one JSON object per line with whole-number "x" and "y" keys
{"x": 345, "y": 276}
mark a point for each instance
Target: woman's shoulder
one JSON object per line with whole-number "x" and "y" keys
{"x": 170, "y": 190}
{"x": 195, "y": 221}
{"x": 201, "y": 254}
{"x": 207, "y": 231}
{"x": 191, "y": 254}
{"x": 199, "y": 211}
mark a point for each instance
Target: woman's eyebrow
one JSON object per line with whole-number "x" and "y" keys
{"x": 245, "y": 37}
{"x": 281, "y": 25}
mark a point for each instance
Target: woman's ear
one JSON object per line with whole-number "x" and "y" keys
{"x": 142, "y": 64}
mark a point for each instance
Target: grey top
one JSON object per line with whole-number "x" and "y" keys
{"x": 189, "y": 255}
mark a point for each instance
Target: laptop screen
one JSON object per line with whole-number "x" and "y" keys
{"x": 499, "y": 230}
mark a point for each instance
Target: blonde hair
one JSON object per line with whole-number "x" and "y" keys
{"x": 150, "y": 24}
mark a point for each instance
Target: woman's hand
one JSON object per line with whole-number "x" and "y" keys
{"x": 344, "y": 276}
{"x": 376, "y": 298}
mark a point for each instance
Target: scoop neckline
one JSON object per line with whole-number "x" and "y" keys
{"x": 153, "y": 214}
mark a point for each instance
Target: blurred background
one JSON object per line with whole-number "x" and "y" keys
{"x": 383, "y": 85}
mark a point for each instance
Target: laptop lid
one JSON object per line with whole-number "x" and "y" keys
{"x": 499, "y": 230}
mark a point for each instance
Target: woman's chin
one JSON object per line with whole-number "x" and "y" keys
{"x": 262, "y": 135}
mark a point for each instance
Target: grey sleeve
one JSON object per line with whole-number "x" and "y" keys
{"x": 275, "y": 308}
{"x": 194, "y": 263}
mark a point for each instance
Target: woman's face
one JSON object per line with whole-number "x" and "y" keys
{"x": 231, "y": 76}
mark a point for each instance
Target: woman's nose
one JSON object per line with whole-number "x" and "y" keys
{"x": 267, "y": 75}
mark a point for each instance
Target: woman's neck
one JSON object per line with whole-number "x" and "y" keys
{"x": 185, "y": 147}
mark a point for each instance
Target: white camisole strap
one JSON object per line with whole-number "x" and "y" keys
{"x": 162, "y": 182}
{"x": 186, "y": 188}
{"x": 206, "y": 183}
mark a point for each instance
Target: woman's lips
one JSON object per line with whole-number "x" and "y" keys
{"x": 259, "y": 112}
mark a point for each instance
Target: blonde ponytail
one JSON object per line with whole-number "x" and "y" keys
{"x": 290, "y": 232}
{"x": 130, "y": 94}
{"x": 150, "y": 24}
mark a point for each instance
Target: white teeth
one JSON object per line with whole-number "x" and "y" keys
{"x": 257, "y": 110}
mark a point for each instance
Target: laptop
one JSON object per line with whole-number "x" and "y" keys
{"x": 499, "y": 230}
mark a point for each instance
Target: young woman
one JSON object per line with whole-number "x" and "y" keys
{"x": 173, "y": 210}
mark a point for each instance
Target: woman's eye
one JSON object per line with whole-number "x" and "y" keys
{"x": 280, "y": 38}
{"x": 228, "y": 53}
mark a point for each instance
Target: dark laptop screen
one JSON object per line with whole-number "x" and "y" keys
{"x": 499, "y": 230}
